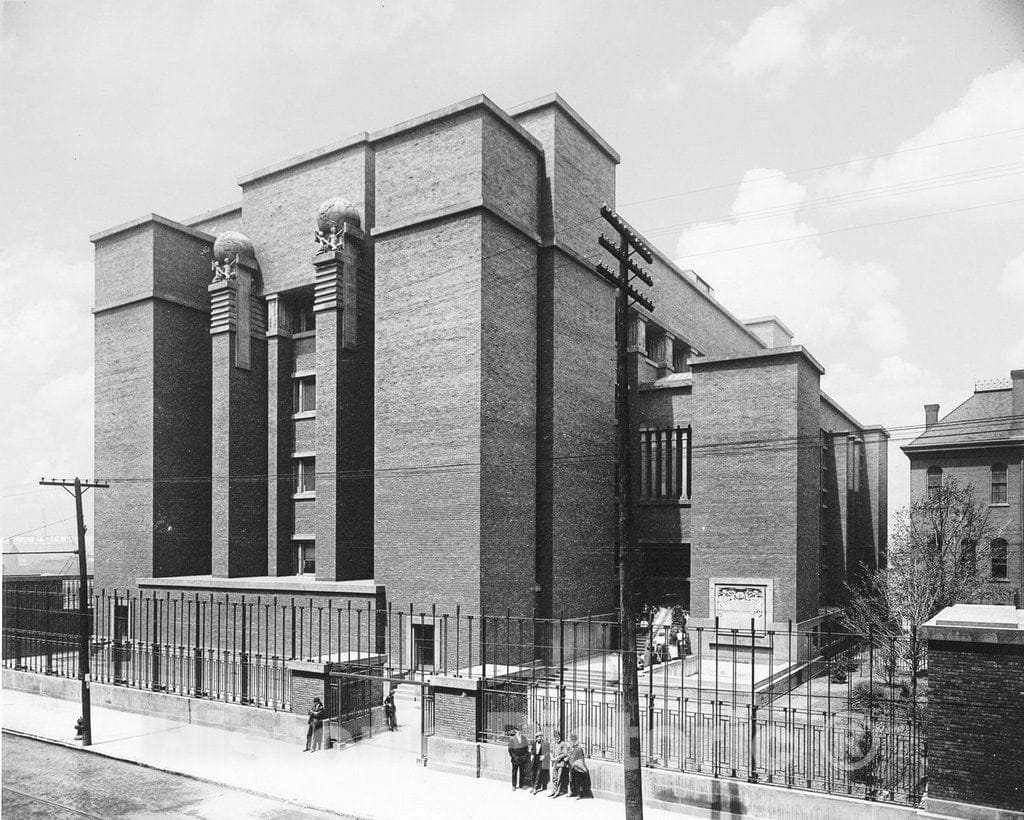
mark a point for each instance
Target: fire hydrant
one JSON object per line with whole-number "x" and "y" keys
{"x": 79, "y": 729}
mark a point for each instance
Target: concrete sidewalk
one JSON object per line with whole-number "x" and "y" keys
{"x": 377, "y": 778}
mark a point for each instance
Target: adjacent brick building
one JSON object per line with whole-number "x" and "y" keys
{"x": 416, "y": 405}
{"x": 981, "y": 443}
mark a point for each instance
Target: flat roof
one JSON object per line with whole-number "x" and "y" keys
{"x": 145, "y": 219}
{"x": 479, "y": 101}
{"x": 555, "y": 99}
{"x": 213, "y": 213}
{"x": 799, "y": 350}
{"x": 760, "y": 320}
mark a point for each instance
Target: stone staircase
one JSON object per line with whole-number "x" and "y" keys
{"x": 408, "y": 693}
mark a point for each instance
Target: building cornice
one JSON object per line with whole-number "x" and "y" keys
{"x": 362, "y": 138}
{"x": 147, "y": 219}
{"x": 458, "y": 209}
{"x": 798, "y": 351}
{"x": 214, "y": 213}
{"x": 480, "y": 101}
{"x": 672, "y": 266}
{"x": 156, "y": 295}
{"x": 939, "y": 447}
{"x": 555, "y": 100}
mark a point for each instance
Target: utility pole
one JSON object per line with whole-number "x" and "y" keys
{"x": 83, "y": 595}
{"x": 629, "y": 242}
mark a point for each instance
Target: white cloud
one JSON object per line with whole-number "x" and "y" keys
{"x": 884, "y": 327}
{"x": 944, "y": 165}
{"x": 46, "y": 426}
{"x": 784, "y": 42}
{"x": 775, "y": 263}
{"x": 1012, "y": 281}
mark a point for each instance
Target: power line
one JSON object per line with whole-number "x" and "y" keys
{"x": 810, "y": 169}
{"x": 950, "y": 430}
{"x": 40, "y": 527}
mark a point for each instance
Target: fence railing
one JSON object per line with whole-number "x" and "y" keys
{"x": 823, "y": 710}
{"x": 847, "y": 722}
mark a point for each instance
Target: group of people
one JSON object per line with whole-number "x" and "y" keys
{"x": 538, "y": 763}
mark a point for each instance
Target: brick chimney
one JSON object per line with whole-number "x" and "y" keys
{"x": 931, "y": 415}
{"x": 1017, "y": 377}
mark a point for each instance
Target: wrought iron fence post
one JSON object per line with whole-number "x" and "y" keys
{"x": 244, "y": 657}
{"x": 561, "y": 674}
{"x": 752, "y": 774}
{"x": 155, "y": 651}
{"x": 198, "y": 651}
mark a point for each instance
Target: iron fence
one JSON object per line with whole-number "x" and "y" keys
{"x": 823, "y": 710}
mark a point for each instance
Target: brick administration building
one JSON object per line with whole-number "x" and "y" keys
{"x": 416, "y": 407}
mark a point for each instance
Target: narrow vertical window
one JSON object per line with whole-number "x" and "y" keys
{"x": 305, "y": 555}
{"x": 998, "y": 483}
{"x": 304, "y": 394}
{"x": 934, "y": 480}
{"x": 305, "y": 475}
{"x": 998, "y": 558}
{"x": 665, "y": 464}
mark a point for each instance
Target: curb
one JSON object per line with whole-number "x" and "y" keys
{"x": 100, "y": 753}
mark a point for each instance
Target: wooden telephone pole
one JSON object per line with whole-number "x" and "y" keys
{"x": 629, "y": 242}
{"x": 83, "y": 596}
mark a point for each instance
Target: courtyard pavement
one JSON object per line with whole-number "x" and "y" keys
{"x": 376, "y": 778}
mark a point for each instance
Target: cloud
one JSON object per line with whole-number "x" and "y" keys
{"x": 46, "y": 426}
{"x": 949, "y": 163}
{"x": 1012, "y": 281}
{"x": 784, "y": 43}
{"x": 766, "y": 260}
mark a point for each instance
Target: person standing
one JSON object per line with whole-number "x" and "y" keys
{"x": 577, "y": 760}
{"x": 390, "y": 712}
{"x": 540, "y": 762}
{"x": 314, "y": 726}
{"x": 519, "y": 752}
{"x": 559, "y": 766}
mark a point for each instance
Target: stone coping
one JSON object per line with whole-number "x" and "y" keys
{"x": 464, "y": 207}
{"x": 213, "y": 213}
{"x": 155, "y": 219}
{"x": 364, "y": 138}
{"x": 450, "y": 682}
{"x": 771, "y": 317}
{"x": 555, "y": 99}
{"x": 323, "y": 663}
{"x": 672, "y": 266}
{"x": 825, "y": 397}
{"x": 269, "y": 584}
{"x": 977, "y": 623}
{"x": 767, "y": 353}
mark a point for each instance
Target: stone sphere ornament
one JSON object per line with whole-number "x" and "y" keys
{"x": 227, "y": 248}
{"x": 334, "y": 213}
{"x": 231, "y": 244}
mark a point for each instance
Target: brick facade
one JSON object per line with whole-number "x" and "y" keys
{"x": 975, "y": 717}
{"x": 463, "y": 438}
{"x": 984, "y": 432}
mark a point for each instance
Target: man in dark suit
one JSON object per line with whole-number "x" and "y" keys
{"x": 519, "y": 752}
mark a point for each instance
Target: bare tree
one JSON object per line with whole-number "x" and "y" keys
{"x": 939, "y": 547}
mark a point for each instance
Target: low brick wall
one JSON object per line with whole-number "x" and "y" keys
{"x": 676, "y": 791}
{"x": 233, "y": 717}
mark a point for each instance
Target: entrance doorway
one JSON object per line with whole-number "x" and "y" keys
{"x": 423, "y": 647}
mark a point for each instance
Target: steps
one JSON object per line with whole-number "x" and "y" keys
{"x": 408, "y": 693}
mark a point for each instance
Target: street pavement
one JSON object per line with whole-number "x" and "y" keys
{"x": 46, "y": 780}
{"x": 378, "y": 778}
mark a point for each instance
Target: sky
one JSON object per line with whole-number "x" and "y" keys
{"x": 856, "y": 168}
